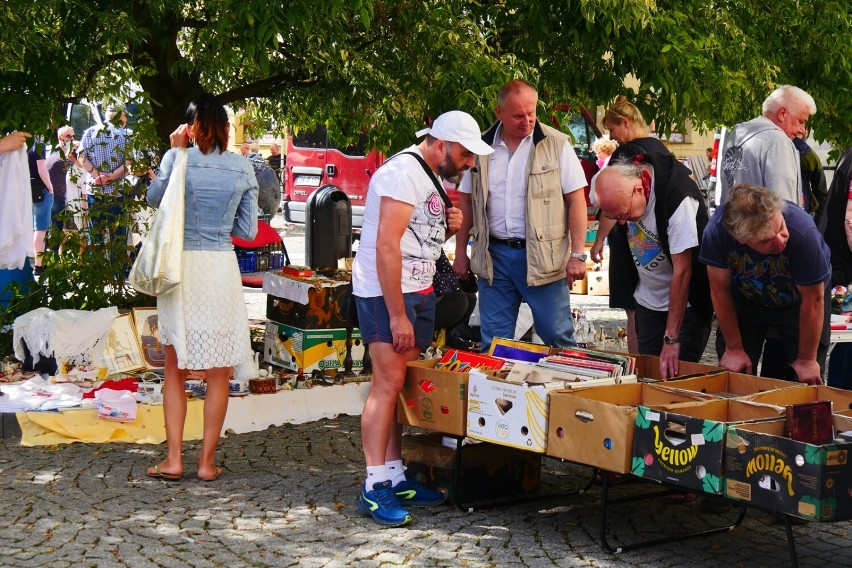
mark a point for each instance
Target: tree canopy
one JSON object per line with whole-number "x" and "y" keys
{"x": 388, "y": 65}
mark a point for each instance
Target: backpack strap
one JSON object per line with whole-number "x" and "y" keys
{"x": 447, "y": 203}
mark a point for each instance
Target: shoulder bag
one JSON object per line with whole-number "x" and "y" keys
{"x": 159, "y": 265}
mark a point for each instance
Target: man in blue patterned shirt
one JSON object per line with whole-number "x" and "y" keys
{"x": 103, "y": 150}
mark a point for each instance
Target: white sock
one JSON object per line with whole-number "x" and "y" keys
{"x": 375, "y": 474}
{"x": 396, "y": 471}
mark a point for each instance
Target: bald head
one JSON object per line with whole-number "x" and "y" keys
{"x": 615, "y": 187}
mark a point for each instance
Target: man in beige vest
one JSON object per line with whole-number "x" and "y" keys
{"x": 524, "y": 209}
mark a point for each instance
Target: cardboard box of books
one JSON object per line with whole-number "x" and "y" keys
{"x": 482, "y": 471}
{"x": 729, "y": 385}
{"x": 594, "y": 426}
{"x": 508, "y": 414}
{"x": 684, "y": 444}
{"x": 798, "y": 393}
{"x": 435, "y": 398}
{"x": 766, "y": 469}
{"x": 294, "y": 348}
{"x": 512, "y": 410}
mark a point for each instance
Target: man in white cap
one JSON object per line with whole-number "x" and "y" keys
{"x": 406, "y": 222}
{"x": 520, "y": 206}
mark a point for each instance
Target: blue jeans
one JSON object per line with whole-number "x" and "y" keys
{"x": 500, "y": 301}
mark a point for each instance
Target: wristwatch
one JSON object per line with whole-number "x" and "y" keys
{"x": 669, "y": 340}
{"x": 581, "y": 256}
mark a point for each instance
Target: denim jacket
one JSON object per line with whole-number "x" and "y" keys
{"x": 219, "y": 187}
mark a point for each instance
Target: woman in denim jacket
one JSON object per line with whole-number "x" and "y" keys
{"x": 203, "y": 322}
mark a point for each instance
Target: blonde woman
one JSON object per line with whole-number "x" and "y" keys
{"x": 627, "y": 127}
{"x": 603, "y": 149}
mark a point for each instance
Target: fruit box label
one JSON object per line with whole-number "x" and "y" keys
{"x": 767, "y": 470}
{"x": 679, "y": 449}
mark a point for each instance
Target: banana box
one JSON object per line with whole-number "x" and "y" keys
{"x": 506, "y": 413}
{"x": 684, "y": 444}
{"x": 765, "y": 469}
{"x": 325, "y": 349}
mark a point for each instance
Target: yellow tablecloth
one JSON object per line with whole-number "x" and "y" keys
{"x": 245, "y": 414}
{"x": 83, "y": 425}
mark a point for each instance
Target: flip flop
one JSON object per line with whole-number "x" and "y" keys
{"x": 155, "y": 472}
{"x": 219, "y": 470}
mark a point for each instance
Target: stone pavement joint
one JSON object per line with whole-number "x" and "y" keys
{"x": 285, "y": 500}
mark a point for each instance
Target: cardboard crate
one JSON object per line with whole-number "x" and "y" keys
{"x": 798, "y": 394}
{"x": 308, "y": 349}
{"x": 433, "y": 399}
{"x": 324, "y": 308}
{"x": 648, "y": 367}
{"x": 505, "y": 413}
{"x": 729, "y": 385}
{"x": 594, "y": 426}
{"x": 580, "y": 287}
{"x": 598, "y": 283}
{"x": 684, "y": 444}
{"x": 764, "y": 469}
{"x": 487, "y": 471}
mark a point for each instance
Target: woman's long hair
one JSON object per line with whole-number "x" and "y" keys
{"x": 209, "y": 123}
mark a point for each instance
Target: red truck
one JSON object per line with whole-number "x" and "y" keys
{"x": 314, "y": 161}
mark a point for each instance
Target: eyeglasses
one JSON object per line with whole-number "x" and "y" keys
{"x": 68, "y": 137}
{"x": 624, "y": 217}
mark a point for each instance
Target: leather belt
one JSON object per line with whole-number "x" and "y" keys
{"x": 512, "y": 243}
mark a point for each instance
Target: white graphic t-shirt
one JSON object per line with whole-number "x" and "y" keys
{"x": 654, "y": 267}
{"x": 402, "y": 178}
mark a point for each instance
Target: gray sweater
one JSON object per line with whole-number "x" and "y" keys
{"x": 760, "y": 153}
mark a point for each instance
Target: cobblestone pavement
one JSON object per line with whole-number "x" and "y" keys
{"x": 287, "y": 499}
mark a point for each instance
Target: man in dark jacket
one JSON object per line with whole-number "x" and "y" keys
{"x": 664, "y": 216}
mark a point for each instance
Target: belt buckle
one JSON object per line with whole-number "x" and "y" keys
{"x": 516, "y": 243}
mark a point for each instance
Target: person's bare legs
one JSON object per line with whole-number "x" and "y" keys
{"x": 174, "y": 413}
{"x": 38, "y": 246}
{"x": 215, "y": 407}
{"x": 380, "y": 435}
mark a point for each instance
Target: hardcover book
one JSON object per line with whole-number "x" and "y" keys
{"x": 810, "y": 422}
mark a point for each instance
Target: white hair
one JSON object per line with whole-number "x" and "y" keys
{"x": 786, "y": 96}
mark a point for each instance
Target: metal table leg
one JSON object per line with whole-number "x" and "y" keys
{"x": 606, "y": 502}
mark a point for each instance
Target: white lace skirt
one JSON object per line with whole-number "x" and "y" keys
{"x": 205, "y": 317}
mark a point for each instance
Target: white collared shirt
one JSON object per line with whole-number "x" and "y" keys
{"x": 507, "y": 184}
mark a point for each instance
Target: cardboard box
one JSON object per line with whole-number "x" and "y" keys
{"x": 684, "y": 444}
{"x": 308, "y": 349}
{"x": 324, "y": 307}
{"x": 798, "y": 393}
{"x": 728, "y": 385}
{"x": 580, "y": 286}
{"x": 598, "y": 283}
{"x": 594, "y": 426}
{"x": 506, "y": 413}
{"x": 648, "y": 367}
{"x": 486, "y": 471}
{"x": 433, "y": 399}
{"x": 767, "y": 470}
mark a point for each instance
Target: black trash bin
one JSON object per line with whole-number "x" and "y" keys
{"x": 328, "y": 227}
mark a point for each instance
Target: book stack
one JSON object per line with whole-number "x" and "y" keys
{"x": 590, "y": 363}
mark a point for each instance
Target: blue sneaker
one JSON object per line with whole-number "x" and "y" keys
{"x": 383, "y": 505}
{"x": 414, "y": 494}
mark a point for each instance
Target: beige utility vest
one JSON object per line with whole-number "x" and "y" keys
{"x": 548, "y": 246}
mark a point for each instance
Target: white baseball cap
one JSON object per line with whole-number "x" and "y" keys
{"x": 458, "y": 126}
